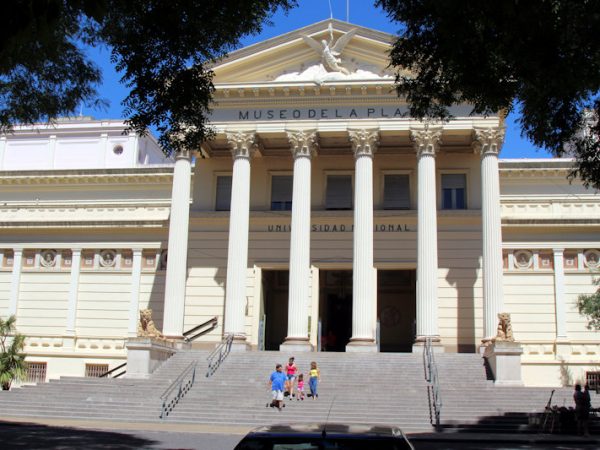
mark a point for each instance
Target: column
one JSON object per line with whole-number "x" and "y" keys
{"x": 364, "y": 143}
{"x": 134, "y": 301}
{"x": 426, "y": 142}
{"x": 2, "y": 151}
{"x": 242, "y": 146}
{"x": 15, "y": 283}
{"x": 73, "y": 291}
{"x": 303, "y": 144}
{"x": 559, "y": 295}
{"x": 488, "y": 142}
{"x": 177, "y": 248}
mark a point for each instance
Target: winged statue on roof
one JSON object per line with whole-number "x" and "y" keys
{"x": 330, "y": 51}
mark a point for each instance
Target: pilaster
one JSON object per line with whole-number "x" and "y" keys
{"x": 243, "y": 145}
{"x": 15, "y": 283}
{"x": 364, "y": 143}
{"x": 73, "y": 291}
{"x": 559, "y": 295}
{"x": 487, "y": 142}
{"x": 134, "y": 301}
{"x": 426, "y": 143}
{"x": 303, "y": 144}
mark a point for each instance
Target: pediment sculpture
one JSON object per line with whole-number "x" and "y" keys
{"x": 330, "y": 50}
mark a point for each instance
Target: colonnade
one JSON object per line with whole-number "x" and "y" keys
{"x": 303, "y": 146}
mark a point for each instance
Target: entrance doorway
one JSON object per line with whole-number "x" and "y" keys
{"x": 275, "y": 285}
{"x": 335, "y": 306}
{"x": 396, "y": 309}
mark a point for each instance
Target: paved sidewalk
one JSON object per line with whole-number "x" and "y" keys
{"x": 55, "y": 434}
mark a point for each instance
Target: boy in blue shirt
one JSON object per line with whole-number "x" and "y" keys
{"x": 277, "y": 383}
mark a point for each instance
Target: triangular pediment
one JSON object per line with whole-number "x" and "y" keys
{"x": 330, "y": 50}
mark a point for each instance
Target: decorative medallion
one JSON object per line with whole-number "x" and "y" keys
{"x": 523, "y": 259}
{"x": 48, "y": 258}
{"x": 592, "y": 259}
{"x": 108, "y": 258}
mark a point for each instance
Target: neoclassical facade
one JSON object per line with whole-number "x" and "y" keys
{"x": 321, "y": 217}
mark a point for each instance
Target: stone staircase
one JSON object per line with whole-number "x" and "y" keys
{"x": 383, "y": 388}
{"x": 99, "y": 398}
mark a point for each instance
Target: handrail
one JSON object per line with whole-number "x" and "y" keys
{"x": 431, "y": 376}
{"x": 106, "y": 374}
{"x": 212, "y": 323}
{"x": 218, "y": 355}
{"x": 169, "y": 402}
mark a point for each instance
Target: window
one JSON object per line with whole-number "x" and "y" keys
{"x": 396, "y": 193}
{"x": 454, "y": 191}
{"x": 281, "y": 192}
{"x": 95, "y": 370}
{"x": 223, "y": 201}
{"x": 339, "y": 192}
{"x": 36, "y": 372}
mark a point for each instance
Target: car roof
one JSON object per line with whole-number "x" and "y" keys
{"x": 331, "y": 429}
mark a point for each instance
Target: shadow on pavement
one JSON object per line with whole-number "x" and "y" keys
{"x": 15, "y": 435}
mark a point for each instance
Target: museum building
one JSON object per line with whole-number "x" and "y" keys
{"x": 320, "y": 217}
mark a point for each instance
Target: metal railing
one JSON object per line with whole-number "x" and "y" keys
{"x": 111, "y": 371}
{"x": 219, "y": 354}
{"x": 431, "y": 376}
{"x": 177, "y": 389}
{"x": 208, "y": 326}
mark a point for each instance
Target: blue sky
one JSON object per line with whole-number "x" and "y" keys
{"x": 362, "y": 12}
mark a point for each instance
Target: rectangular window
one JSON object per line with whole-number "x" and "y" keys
{"x": 339, "y": 192}
{"x": 95, "y": 370}
{"x": 281, "y": 192}
{"x": 223, "y": 202}
{"x": 396, "y": 193}
{"x": 454, "y": 191}
{"x": 36, "y": 372}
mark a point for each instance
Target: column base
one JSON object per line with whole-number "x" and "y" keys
{"x": 239, "y": 344}
{"x": 436, "y": 344}
{"x": 361, "y": 346}
{"x": 296, "y": 345}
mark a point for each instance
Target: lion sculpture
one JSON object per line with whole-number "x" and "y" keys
{"x": 505, "y": 332}
{"x": 146, "y": 327}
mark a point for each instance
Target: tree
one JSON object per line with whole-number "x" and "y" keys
{"x": 589, "y": 305}
{"x": 539, "y": 56}
{"x": 162, "y": 48}
{"x": 12, "y": 361}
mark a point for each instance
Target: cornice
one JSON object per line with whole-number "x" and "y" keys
{"x": 136, "y": 224}
{"x": 162, "y": 175}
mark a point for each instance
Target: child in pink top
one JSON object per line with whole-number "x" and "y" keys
{"x": 300, "y": 389}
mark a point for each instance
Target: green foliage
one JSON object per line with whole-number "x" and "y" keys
{"x": 12, "y": 361}
{"x": 589, "y": 306}
{"x": 163, "y": 50}
{"x": 541, "y": 56}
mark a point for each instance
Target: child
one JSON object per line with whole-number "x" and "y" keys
{"x": 277, "y": 381}
{"x": 313, "y": 381}
{"x": 300, "y": 388}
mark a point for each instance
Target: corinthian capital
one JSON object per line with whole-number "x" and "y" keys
{"x": 242, "y": 144}
{"x": 364, "y": 142}
{"x": 488, "y": 140}
{"x": 303, "y": 143}
{"x": 426, "y": 141}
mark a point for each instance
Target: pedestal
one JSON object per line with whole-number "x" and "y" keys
{"x": 296, "y": 346}
{"x": 361, "y": 346}
{"x": 504, "y": 359}
{"x": 145, "y": 355}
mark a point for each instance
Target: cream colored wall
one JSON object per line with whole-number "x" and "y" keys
{"x": 460, "y": 289}
{"x": 42, "y": 304}
{"x": 152, "y": 294}
{"x": 577, "y": 284}
{"x": 103, "y": 304}
{"x": 529, "y": 298}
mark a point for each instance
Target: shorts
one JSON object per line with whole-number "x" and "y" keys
{"x": 291, "y": 377}
{"x": 277, "y": 395}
